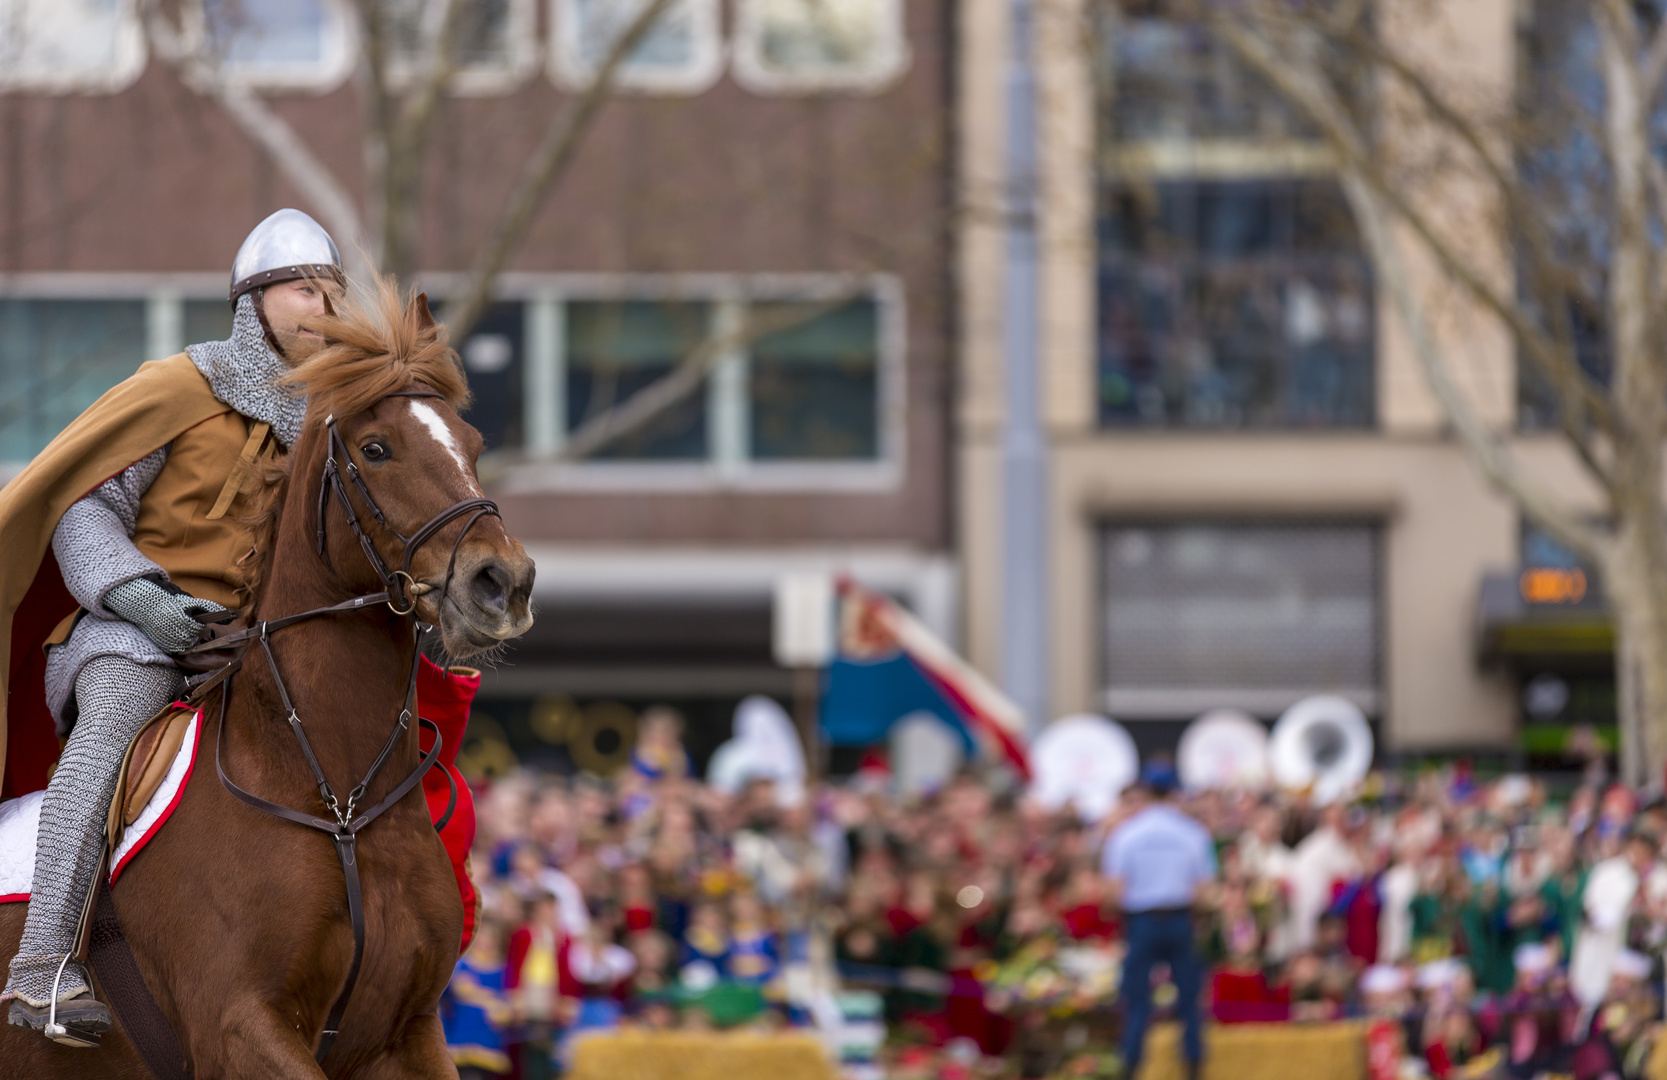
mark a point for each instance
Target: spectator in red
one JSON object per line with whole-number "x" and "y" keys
{"x": 920, "y": 902}
{"x": 1082, "y": 906}
{"x": 541, "y": 986}
{"x": 636, "y": 898}
{"x": 1239, "y": 989}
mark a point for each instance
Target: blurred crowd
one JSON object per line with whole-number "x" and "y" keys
{"x": 1488, "y": 927}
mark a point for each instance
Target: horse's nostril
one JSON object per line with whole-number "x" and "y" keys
{"x": 489, "y": 591}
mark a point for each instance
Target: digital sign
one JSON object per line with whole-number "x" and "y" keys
{"x": 1552, "y": 585}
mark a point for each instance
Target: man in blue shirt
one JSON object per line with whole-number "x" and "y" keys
{"x": 1158, "y": 860}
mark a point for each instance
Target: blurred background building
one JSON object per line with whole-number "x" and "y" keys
{"x": 1249, "y": 496}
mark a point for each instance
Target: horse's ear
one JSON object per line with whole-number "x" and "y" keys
{"x": 419, "y": 308}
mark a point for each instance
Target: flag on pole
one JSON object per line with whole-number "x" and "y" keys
{"x": 889, "y": 665}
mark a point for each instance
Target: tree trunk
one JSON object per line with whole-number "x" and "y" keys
{"x": 1635, "y": 577}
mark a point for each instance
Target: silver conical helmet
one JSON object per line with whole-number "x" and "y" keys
{"x": 286, "y": 246}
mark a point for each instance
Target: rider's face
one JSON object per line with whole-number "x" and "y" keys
{"x": 288, "y": 305}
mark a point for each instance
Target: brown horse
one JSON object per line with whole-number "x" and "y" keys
{"x": 239, "y": 920}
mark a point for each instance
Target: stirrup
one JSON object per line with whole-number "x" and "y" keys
{"x": 81, "y": 1022}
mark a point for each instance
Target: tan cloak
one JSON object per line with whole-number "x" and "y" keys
{"x": 160, "y": 402}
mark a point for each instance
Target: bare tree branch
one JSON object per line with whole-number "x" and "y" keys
{"x": 642, "y": 407}
{"x": 401, "y": 97}
{"x": 1583, "y": 398}
{"x": 1654, "y": 65}
{"x": 288, "y": 153}
{"x": 1375, "y": 203}
{"x": 550, "y": 159}
{"x": 396, "y": 138}
{"x": 435, "y": 71}
{"x": 1638, "y": 371}
{"x": 1301, "y": 85}
{"x": 1493, "y": 458}
{"x": 376, "y": 145}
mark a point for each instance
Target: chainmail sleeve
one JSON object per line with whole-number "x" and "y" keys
{"x": 94, "y": 539}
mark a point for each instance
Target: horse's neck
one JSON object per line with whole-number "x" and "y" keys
{"x": 346, "y": 674}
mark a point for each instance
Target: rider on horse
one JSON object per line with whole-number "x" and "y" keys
{"x": 151, "y": 554}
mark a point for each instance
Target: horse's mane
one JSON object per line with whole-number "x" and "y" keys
{"x": 378, "y": 342}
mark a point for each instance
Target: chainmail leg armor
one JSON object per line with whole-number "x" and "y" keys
{"x": 115, "y": 696}
{"x": 243, "y": 372}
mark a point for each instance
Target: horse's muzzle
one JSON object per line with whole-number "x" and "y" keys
{"x": 490, "y": 601}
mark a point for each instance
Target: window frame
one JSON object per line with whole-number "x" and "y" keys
{"x": 494, "y": 79}
{"x": 132, "y": 55}
{"x": 753, "y": 73}
{"x": 341, "y": 51}
{"x": 568, "y": 70}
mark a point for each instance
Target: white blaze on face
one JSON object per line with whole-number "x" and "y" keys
{"x": 437, "y": 427}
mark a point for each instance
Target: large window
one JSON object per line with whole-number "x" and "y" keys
{"x": 298, "y": 44}
{"x": 1233, "y": 304}
{"x": 1253, "y": 616}
{"x": 811, "y": 45}
{"x": 1234, "y": 291}
{"x": 69, "y": 45}
{"x": 681, "y": 53}
{"x": 777, "y": 384}
{"x": 56, "y": 358}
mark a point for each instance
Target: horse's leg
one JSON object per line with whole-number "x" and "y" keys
{"x": 419, "y": 1054}
{"x": 261, "y": 1045}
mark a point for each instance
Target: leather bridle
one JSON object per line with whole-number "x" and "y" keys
{"x": 399, "y": 593}
{"x": 480, "y": 505}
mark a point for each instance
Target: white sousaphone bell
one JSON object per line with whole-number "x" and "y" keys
{"x": 1224, "y": 748}
{"x": 1321, "y": 743}
{"x": 1083, "y": 761}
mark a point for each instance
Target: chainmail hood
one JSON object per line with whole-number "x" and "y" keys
{"x": 243, "y": 372}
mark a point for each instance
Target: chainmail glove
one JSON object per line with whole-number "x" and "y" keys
{"x": 166, "y": 613}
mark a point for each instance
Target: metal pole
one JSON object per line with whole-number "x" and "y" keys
{"x": 1024, "y": 595}
{"x": 807, "y": 689}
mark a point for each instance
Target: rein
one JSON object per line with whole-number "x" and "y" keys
{"x": 400, "y": 594}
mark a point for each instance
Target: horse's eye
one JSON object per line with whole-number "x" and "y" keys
{"x": 374, "y": 451}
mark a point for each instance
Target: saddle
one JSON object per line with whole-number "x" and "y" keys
{"x": 145, "y": 765}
